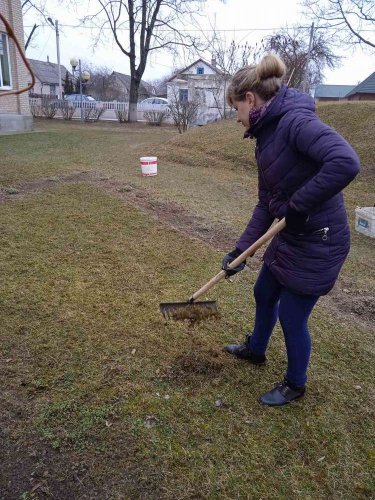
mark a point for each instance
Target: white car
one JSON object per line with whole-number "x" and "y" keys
{"x": 155, "y": 102}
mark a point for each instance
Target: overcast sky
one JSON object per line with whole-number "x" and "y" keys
{"x": 242, "y": 20}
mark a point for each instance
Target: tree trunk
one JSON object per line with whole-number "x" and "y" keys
{"x": 133, "y": 100}
{"x": 30, "y": 36}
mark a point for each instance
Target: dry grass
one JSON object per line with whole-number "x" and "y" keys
{"x": 102, "y": 398}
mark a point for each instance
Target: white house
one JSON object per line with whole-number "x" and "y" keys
{"x": 200, "y": 81}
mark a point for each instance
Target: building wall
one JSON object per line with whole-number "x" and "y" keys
{"x": 121, "y": 90}
{"x": 208, "y": 89}
{"x": 11, "y": 10}
{"x": 205, "y": 87}
{"x": 362, "y": 97}
{"x": 326, "y": 99}
{"x": 44, "y": 89}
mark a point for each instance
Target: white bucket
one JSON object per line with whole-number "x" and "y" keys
{"x": 149, "y": 165}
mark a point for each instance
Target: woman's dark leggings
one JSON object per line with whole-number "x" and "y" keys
{"x": 273, "y": 301}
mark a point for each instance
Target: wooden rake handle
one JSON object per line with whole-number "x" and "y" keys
{"x": 279, "y": 226}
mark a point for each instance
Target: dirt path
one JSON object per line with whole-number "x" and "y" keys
{"x": 341, "y": 301}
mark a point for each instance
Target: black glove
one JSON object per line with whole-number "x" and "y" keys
{"x": 295, "y": 221}
{"x": 229, "y": 257}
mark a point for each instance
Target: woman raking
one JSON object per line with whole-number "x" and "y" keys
{"x": 303, "y": 166}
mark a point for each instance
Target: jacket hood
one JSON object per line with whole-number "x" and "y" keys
{"x": 286, "y": 100}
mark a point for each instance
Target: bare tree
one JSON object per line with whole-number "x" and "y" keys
{"x": 292, "y": 47}
{"x": 352, "y": 21}
{"x": 38, "y": 7}
{"x": 228, "y": 59}
{"x": 102, "y": 84}
{"x": 141, "y": 26}
{"x": 183, "y": 112}
{"x": 159, "y": 85}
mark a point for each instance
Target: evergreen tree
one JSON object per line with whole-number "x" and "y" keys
{"x": 77, "y": 88}
{"x": 68, "y": 85}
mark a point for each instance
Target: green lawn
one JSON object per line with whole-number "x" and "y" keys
{"x": 101, "y": 398}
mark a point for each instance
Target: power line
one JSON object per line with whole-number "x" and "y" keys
{"x": 182, "y": 30}
{"x": 194, "y": 30}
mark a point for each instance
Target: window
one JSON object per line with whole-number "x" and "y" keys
{"x": 200, "y": 71}
{"x": 5, "y": 78}
{"x": 184, "y": 95}
{"x": 52, "y": 89}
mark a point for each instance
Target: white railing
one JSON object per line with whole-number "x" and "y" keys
{"x": 109, "y": 109}
{"x": 110, "y": 105}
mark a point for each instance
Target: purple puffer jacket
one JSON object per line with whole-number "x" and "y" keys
{"x": 303, "y": 162}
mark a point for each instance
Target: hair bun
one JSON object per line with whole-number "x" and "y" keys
{"x": 271, "y": 66}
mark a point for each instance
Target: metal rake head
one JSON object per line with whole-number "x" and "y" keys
{"x": 193, "y": 311}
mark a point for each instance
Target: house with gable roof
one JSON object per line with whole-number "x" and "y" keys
{"x": 364, "y": 91}
{"x": 203, "y": 81}
{"x": 47, "y": 77}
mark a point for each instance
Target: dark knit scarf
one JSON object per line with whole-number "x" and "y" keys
{"x": 256, "y": 114}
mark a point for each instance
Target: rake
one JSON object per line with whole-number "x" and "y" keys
{"x": 193, "y": 310}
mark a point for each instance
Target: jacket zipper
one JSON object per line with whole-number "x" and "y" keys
{"x": 324, "y": 230}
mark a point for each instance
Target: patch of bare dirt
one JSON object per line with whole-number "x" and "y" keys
{"x": 38, "y": 472}
{"x": 194, "y": 365}
{"x": 173, "y": 215}
{"x": 10, "y": 193}
{"x": 347, "y": 302}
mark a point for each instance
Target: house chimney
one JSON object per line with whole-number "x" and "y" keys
{"x": 213, "y": 61}
{"x": 48, "y": 59}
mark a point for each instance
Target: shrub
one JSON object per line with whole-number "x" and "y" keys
{"x": 35, "y": 108}
{"x": 184, "y": 113}
{"x": 93, "y": 114}
{"x": 121, "y": 115}
{"x": 48, "y": 109}
{"x": 67, "y": 110}
{"x": 155, "y": 117}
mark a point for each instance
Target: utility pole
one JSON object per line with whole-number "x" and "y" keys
{"x": 80, "y": 87}
{"x": 56, "y": 26}
{"x": 305, "y": 82}
{"x": 58, "y": 57}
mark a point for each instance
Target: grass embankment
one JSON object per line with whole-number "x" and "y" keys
{"x": 103, "y": 399}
